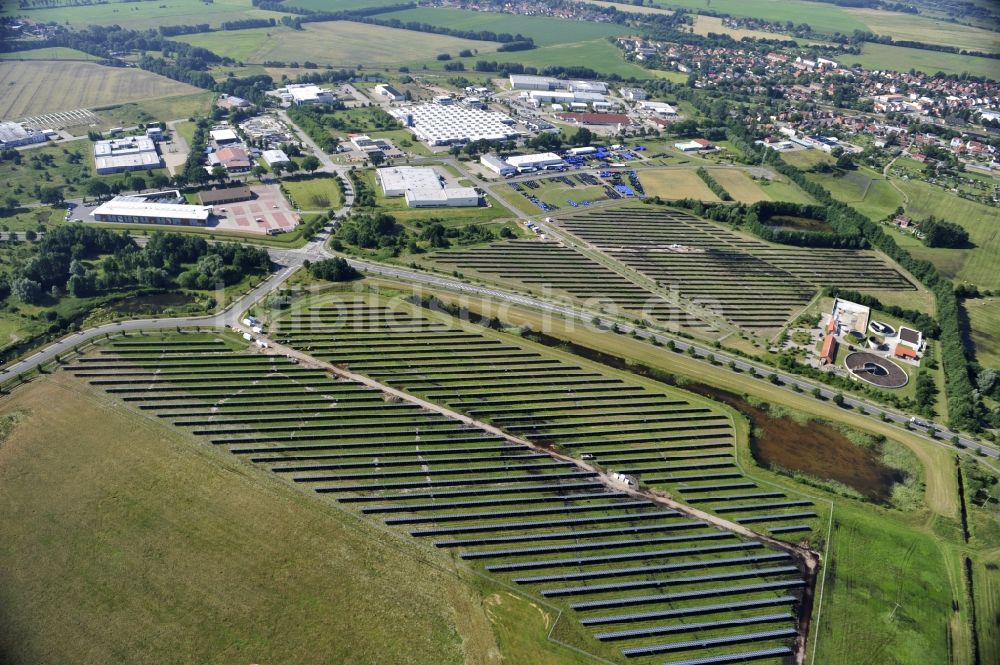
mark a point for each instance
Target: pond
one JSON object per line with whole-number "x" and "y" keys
{"x": 151, "y": 303}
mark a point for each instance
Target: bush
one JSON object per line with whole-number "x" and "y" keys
{"x": 333, "y": 270}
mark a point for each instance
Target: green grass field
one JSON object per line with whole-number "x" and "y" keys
{"x": 676, "y": 184}
{"x": 598, "y": 54}
{"x": 163, "y": 109}
{"x": 125, "y": 539}
{"x": 50, "y": 53}
{"x": 899, "y": 58}
{"x": 910, "y": 27}
{"x": 820, "y": 16}
{"x": 739, "y": 185}
{"x": 40, "y": 86}
{"x": 339, "y": 43}
{"x": 984, "y": 319}
{"x": 314, "y": 194}
{"x": 144, "y": 15}
{"x": 545, "y": 31}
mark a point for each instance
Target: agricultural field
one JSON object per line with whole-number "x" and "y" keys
{"x": 910, "y": 27}
{"x": 676, "y": 184}
{"x": 749, "y": 282}
{"x": 599, "y": 55}
{"x": 740, "y": 185}
{"x": 50, "y": 53}
{"x": 314, "y": 194}
{"x": 984, "y": 323}
{"x": 335, "y": 43}
{"x": 865, "y": 190}
{"x": 145, "y": 15}
{"x": 899, "y": 58}
{"x": 34, "y": 87}
{"x": 703, "y": 25}
{"x": 545, "y": 31}
{"x": 148, "y": 533}
{"x": 362, "y": 455}
{"x": 820, "y": 16}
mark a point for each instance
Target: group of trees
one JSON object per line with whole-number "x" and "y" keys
{"x": 713, "y": 184}
{"x": 939, "y": 233}
{"x": 333, "y": 270}
{"x": 380, "y": 231}
{"x": 84, "y": 261}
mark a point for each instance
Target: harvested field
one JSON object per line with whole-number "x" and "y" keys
{"x": 740, "y": 185}
{"x": 613, "y": 563}
{"x": 676, "y": 184}
{"x": 339, "y": 43}
{"x": 39, "y": 86}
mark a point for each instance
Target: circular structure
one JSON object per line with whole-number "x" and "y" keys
{"x": 876, "y": 370}
{"x": 883, "y": 329}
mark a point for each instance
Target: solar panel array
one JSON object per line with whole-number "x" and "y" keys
{"x": 520, "y": 515}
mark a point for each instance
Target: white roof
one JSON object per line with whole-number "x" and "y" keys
{"x": 308, "y": 93}
{"x": 223, "y": 135}
{"x": 124, "y": 146}
{"x": 12, "y": 131}
{"x": 437, "y": 124}
{"x": 138, "y": 207}
{"x": 401, "y": 178}
{"x": 540, "y": 158}
{"x": 659, "y": 107}
{"x": 274, "y": 156}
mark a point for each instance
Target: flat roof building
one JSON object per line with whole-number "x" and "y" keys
{"x": 214, "y": 197}
{"x": 633, "y": 94}
{"x": 497, "y": 165}
{"x": 310, "y": 94}
{"x": 911, "y": 338}
{"x": 224, "y": 136}
{"x": 129, "y": 153}
{"x": 422, "y": 187}
{"x": 528, "y": 82}
{"x": 538, "y": 161}
{"x": 390, "y": 93}
{"x": 137, "y": 210}
{"x": 272, "y": 157}
{"x": 13, "y": 134}
{"x": 437, "y": 124}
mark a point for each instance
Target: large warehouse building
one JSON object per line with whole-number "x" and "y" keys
{"x": 448, "y": 124}
{"x": 538, "y": 162}
{"x": 424, "y": 188}
{"x": 526, "y": 82}
{"x": 12, "y": 135}
{"x": 139, "y": 210}
{"x": 130, "y": 153}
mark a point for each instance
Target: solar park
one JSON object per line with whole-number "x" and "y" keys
{"x": 749, "y": 282}
{"x": 646, "y": 583}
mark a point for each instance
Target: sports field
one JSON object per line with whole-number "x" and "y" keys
{"x": 339, "y": 43}
{"x": 33, "y": 87}
{"x": 984, "y": 319}
{"x": 881, "y": 56}
{"x": 545, "y": 31}
{"x": 910, "y": 27}
{"x": 144, "y": 15}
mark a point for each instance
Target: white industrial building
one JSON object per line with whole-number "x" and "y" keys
{"x": 538, "y": 162}
{"x": 539, "y": 97}
{"x": 424, "y": 188}
{"x": 272, "y": 157}
{"x": 497, "y": 165}
{"x": 138, "y": 210}
{"x": 129, "y": 153}
{"x": 390, "y": 93}
{"x": 658, "y": 108}
{"x": 223, "y": 136}
{"x": 437, "y": 124}
{"x": 526, "y": 82}
{"x": 12, "y": 134}
{"x": 633, "y": 94}
{"x": 304, "y": 93}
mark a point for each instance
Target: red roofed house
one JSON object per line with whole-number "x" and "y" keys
{"x": 829, "y": 352}
{"x": 234, "y": 160}
{"x": 905, "y": 352}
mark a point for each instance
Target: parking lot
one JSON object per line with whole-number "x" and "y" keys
{"x": 268, "y": 206}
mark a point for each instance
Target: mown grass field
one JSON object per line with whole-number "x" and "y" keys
{"x": 144, "y": 15}
{"x": 599, "y": 54}
{"x": 739, "y": 185}
{"x": 910, "y": 27}
{"x": 163, "y": 109}
{"x": 676, "y": 184}
{"x": 899, "y": 58}
{"x": 339, "y": 43}
{"x": 314, "y": 194}
{"x": 34, "y": 87}
{"x": 127, "y": 540}
{"x": 545, "y": 31}
{"x": 984, "y": 319}
{"x": 50, "y": 53}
